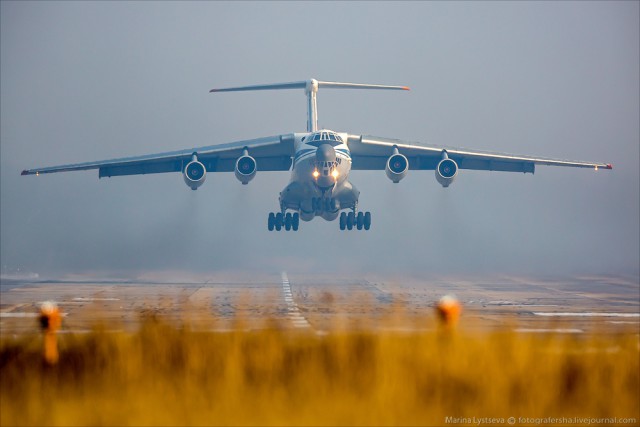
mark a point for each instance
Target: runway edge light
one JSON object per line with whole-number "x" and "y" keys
{"x": 448, "y": 309}
{"x": 50, "y": 321}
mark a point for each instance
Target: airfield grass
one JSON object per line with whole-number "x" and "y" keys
{"x": 163, "y": 374}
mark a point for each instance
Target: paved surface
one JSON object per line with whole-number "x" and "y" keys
{"x": 320, "y": 304}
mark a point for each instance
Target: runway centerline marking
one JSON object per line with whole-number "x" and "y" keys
{"x": 589, "y": 314}
{"x": 294, "y": 315}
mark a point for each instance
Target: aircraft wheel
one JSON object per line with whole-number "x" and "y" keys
{"x": 279, "y": 221}
{"x": 360, "y": 220}
{"x": 272, "y": 221}
{"x": 367, "y": 220}
{"x": 295, "y": 221}
{"x": 351, "y": 219}
{"x": 343, "y": 220}
{"x": 287, "y": 221}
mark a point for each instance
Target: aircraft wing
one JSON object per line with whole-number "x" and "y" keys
{"x": 372, "y": 152}
{"x": 272, "y": 153}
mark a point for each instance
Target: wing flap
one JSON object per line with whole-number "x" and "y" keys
{"x": 142, "y": 168}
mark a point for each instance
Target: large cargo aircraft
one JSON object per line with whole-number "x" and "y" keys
{"x": 320, "y": 161}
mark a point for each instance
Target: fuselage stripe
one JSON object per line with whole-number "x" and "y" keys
{"x": 343, "y": 154}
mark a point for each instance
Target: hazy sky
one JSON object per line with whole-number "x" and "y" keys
{"x": 85, "y": 81}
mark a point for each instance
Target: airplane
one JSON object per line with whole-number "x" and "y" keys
{"x": 320, "y": 161}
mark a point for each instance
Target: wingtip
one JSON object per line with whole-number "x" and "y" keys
{"x": 24, "y": 172}
{"x": 405, "y": 88}
{"x": 609, "y": 166}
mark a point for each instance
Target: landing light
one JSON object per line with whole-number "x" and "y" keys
{"x": 316, "y": 174}
{"x": 596, "y": 167}
{"x": 335, "y": 174}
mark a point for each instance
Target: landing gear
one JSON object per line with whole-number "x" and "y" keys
{"x": 322, "y": 204}
{"x": 350, "y": 220}
{"x": 359, "y": 220}
{"x": 272, "y": 221}
{"x": 279, "y": 220}
{"x": 287, "y": 221}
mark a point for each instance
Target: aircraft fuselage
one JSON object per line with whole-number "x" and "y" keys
{"x": 319, "y": 178}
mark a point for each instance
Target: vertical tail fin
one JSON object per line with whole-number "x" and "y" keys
{"x": 311, "y": 88}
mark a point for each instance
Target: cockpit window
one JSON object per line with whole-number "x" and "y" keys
{"x": 324, "y": 136}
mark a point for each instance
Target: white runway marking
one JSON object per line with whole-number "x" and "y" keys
{"x": 19, "y": 314}
{"x": 296, "y": 318}
{"x": 594, "y": 314}
{"x": 622, "y": 322}
{"x": 559, "y": 330}
{"x": 4, "y": 314}
{"x": 96, "y": 299}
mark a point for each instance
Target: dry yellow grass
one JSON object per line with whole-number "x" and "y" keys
{"x": 166, "y": 375}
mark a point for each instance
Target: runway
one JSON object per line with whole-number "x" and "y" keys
{"x": 320, "y": 304}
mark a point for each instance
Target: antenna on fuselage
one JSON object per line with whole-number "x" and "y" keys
{"x": 311, "y": 89}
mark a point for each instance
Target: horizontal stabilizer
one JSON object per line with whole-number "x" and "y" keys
{"x": 338, "y": 85}
{"x": 311, "y": 84}
{"x": 290, "y": 85}
{"x": 311, "y": 87}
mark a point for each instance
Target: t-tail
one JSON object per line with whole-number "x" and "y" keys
{"x": 310, "y": 87}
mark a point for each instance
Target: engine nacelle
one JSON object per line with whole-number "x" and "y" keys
{"x": 194, "y": 174}
{"x": 246, "y": 168}
{"x": 397, "y": 167}
{"x": 446, "y": 172}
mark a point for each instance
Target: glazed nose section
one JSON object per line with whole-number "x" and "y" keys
{"x": 326, "y": 153}
{"x": 325, "y": 165}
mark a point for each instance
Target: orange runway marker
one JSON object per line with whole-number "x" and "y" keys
{"x": 449, "y": 309}
{"x": 50, "y": 322}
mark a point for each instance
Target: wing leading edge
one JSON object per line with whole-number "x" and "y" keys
{"x": 272, "y": 153}
{"x": 372, "y": 152}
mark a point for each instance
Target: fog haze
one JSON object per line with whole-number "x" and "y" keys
{"x": 84, "y": 81}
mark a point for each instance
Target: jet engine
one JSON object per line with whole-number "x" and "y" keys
{"x": 397, "y": 167}
{"x": 246, "y": 168}
{"x": 195, "y": 173}
{"x": 446, "y": 171}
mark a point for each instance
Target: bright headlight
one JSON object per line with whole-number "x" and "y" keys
{"x": 335, "y": 173}
{"x": 316, "y": 174}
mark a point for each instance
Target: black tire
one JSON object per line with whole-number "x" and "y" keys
{"x": 343, "y": 220}
{"x": 279, "y": 221}
{"x": 367, "y": 220}
{"x": 295, "y": 221}
{"x": 287, "y": 221}
{"x": 351, "y": 219}
{"x": 360, "y": 220}
{"x": 272, "y": 221}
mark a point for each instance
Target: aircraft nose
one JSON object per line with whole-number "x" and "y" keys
{"x": 325, "y": 153}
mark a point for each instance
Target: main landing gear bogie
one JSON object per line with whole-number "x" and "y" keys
{"x": 359, "y": 221}
{"x": 288, "y": 221}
